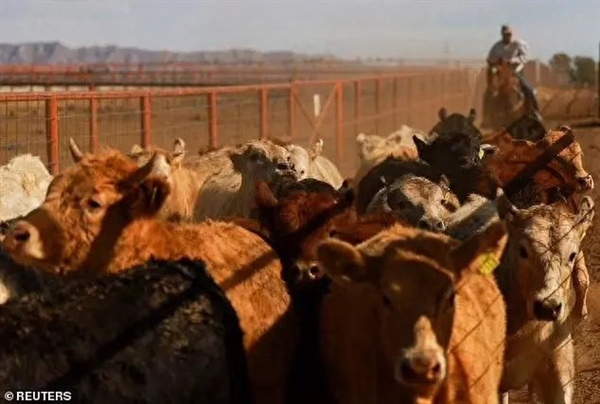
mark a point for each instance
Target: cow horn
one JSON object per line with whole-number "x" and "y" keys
{"x": 76, "y": 153}
{"x": 144, "y": 171}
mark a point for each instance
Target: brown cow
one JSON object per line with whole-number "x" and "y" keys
{"x": 410, "y": 319}
{"x": 565, "y": 171}
{"x": 99, "y": 218}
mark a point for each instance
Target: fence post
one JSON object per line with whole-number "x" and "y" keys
{"x": 93, "y": 124}
{"x": 357, "y": 105}
{"x": 377, "y": 104}
{"x": 339, "y": 135}
{"x": 146, "y": 123}
{"x": 264, "y": 113}
{"x": 52, "y": 134}
{"x": 292, "y": 110}
{"x": 213, "y": 131}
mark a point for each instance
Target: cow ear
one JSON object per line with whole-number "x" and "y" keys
{"x": 342, "y": 262}
{"x": 151, "y": 196}
{"x": 238, "y": 160}
{"x": 585, "y": 214}
{"x": 443, "y": 114}
{"x": 506, "y": 210}
{"x": 316, "y": 149}
{"x": 178, "y": 151}
{"x": 360, "y": 138}
{"x": 422, "y": 146}
{"x": 472, "y": 115}
{"x": 150, "y": 186}
{"x": 481, "y": 252}
{"x": 135, "y": 149}
{"x": 444, "y": 183}
{"x": 264, "y": 197}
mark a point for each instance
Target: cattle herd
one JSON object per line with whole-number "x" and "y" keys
{"x": 448, "y": 269}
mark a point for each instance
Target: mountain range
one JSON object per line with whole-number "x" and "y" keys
{"x": 55, "y": 53}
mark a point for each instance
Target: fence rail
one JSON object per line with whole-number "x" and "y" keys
{"x": 334, "y": 110}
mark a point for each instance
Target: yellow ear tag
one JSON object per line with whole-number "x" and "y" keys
{"x": 481, "y": 153}
{"x": 489, "y": 263}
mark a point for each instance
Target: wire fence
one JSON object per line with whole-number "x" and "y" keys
{"x": 334, "y": 110}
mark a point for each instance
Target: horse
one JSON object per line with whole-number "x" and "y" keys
{"x": 507, "y": 102}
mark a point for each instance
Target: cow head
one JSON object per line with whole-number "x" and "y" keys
{"x": 412, "y": 276}
{"x": 296, "y": 222}
{"x": 569, "y": 161}
{"x": 418, "y": 200}
{"x": 544, "y": 244}
{"x": 456, "y": 123}
{"x": 450, "y": 152}
{"x": 141, "y": 156}
{"x": 86, "y": 208}
{"x": 368, "y": 145}
{"x": 262, "y": 160}
{"x": 564, "y": 171}
{"x": 372, "y": 147}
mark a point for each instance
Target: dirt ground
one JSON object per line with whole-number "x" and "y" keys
{"x": 587, "y": 337}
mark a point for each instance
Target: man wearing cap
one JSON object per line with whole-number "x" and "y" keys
{"x": 515, "y": 51}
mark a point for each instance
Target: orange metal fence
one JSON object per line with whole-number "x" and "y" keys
{"x": 41, "y": 123}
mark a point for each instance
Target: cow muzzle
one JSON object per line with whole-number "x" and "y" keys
{"x": 585, "y": 183}
{"x": 23, "y": 242}
{"x": 432, "y": 224}
{"x": 422, "y": 367}
{"x": 548, "y": 309}
{"x": 286, "y": 169}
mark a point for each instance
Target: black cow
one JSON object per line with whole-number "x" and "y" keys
{"x": 454, "y": 149}
{"x": 163, "y": 332}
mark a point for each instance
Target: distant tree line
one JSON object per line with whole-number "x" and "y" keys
{"x": 581, "y": 70}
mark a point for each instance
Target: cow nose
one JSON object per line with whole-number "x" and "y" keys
{"x": 314, "y": 272}
{"x": 432, "y": 224}
{"x": 20, "y": 233}
{"x": 421, "y": 368}
{"x": 547, "y": 310}
{"x": 586, "y": 183}
{"x": 282, "y": 165}
{"x": 439, "y": 225}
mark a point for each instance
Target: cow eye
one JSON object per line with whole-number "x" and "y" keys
{"x": 403, "y": 205}
{"x": 572, "y": 257}
{"x": 523, "y": 252}
{"x": 386, "y": 301}
{"x": 93, "y": 204}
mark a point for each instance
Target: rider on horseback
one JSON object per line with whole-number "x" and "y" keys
{"x": 516, "y": 52}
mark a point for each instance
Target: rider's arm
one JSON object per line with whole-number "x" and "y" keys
{"x": 522, "y": 55}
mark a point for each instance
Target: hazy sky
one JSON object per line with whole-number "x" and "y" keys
{"x": 403, "y": 29}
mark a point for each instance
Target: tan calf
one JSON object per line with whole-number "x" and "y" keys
{"x": 535, "y": 278}
{"x": 410, "y": 319}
